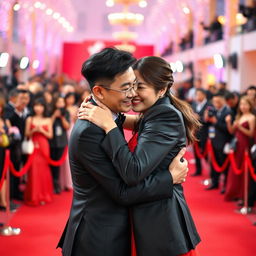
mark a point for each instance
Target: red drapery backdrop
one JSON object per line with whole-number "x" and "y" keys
{"x": 74, "y": 54}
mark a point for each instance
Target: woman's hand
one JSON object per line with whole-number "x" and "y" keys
{"x": 179, "y": 168}
{"x": 99, "y": 115}
{"x": 228, "y": 119}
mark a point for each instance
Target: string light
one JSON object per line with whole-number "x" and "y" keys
{"x": 4, "y": 57}
{"x": 143, "y": 4}
{"x": 24, "y": 62}
{"x": 110, "y": 3}
{"x": 35, "y": 64}
{"x": 16, "y": 7}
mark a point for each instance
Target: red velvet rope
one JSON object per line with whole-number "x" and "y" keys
{"x": 250, "y": 167}
{"x": 57, "y": 162}
{"x": 233, "y": 164}
{"x": 215, "y": 165}
{"x": 198, "y": 151}
{"x": 25, "y": 168}
{"x": 5, "y": 169}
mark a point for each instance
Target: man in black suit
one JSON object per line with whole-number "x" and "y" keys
{"x": 17, "y": 117}
{"x": 99, "y": 221}
{"x": 199, "y": 106}
{"x": 10, "y": 106}
{"x": 218, "y": 134}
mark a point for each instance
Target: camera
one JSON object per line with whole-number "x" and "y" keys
{"x": 62, "y": 111}
{"x": 212, "y": 111}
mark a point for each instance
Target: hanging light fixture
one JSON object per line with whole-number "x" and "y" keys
{"x": 126, "y": 47}
{"x": 125, "y": 18}
{"x": 125, "y": 35}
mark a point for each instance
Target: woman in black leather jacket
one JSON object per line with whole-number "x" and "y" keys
{"x": 160, "y": 132}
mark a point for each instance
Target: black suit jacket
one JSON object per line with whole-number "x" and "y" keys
{"x": 164, "y": 227}
{"x": 202, "y": 134}
{"x": 222, "y": 136}
{"x": 98, "y": 224}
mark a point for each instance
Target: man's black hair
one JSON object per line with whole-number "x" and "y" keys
{"x": 219, "y": 94}
{"x": 201, "y": 90}
{"x": 106, "y": 64}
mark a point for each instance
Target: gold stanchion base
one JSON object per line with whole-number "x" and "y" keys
{"x": 9, "y": 231}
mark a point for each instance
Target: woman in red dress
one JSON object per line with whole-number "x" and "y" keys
{"x": 243, "y": 128}
{"x": 159, "y": 133}
{"x": 39, "y": 188}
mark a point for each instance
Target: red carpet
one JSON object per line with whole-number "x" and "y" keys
{"x": 223, "y": 232}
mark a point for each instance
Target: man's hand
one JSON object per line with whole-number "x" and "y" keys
{"x": 179, "y": 168}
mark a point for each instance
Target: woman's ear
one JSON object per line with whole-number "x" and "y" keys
{"x": 162, "y": 92}
{"x": 97, "y": 91}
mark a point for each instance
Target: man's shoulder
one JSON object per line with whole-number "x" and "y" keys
{"x": 85, "y": 128}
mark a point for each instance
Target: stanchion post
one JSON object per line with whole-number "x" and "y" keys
{"x": 7, "y": 230}
{"x": 244, "y": 210}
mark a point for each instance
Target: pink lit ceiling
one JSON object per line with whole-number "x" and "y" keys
{"x": 163, "y": 19}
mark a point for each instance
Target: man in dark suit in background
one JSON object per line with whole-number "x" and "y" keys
{"x": 99, "y": 221}
{"x": 17, "y": 117}
{"x": 218, "y": 134}
{"x": 199, "y": 106}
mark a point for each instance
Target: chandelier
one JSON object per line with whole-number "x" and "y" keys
{"x": 126, "y": 47}
{"x": 126, "y": 19}
{"x": 125, "y": 35}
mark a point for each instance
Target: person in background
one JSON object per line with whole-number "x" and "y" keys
{"x": 251, "y": 93}
{"x": 222, "y": 88}
{"x": 61, "y": 123}
{"x": 10, "y": 106}
{"x": 219, "y": 135}
{"x": 191, "y": 95}
{"x": 4, "y": 129}
{"x": 18, "y": 118}
{"x": 39, "y": 187}
{"x": 212, "y": 90}
{"x": 232, "y": 100}
{"x": 244, "y": 129}
{"x": 65, "y": 174}
{"x": 199, "y": 106}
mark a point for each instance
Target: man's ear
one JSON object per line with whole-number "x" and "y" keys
{"x": 97, "y": 91}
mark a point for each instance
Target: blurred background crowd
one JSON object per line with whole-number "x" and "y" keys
{"x": 44, "y": 109}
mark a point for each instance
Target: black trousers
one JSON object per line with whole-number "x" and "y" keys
{"x": 201, "y": 145}
{"x": 220, "y": 159}
{"x": 56, "y": 154}
{"x": 16, "y": 158}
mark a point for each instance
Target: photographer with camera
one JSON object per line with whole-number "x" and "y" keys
{"x": 61, "y": 123}
{"x": 219, "y": 135}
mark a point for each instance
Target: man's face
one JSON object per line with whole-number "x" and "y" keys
{"x": 218, "y": 102}
{"x": 22, "y": 101}
{"x": 200, "y": 97}
{"x": 115, "y": 97}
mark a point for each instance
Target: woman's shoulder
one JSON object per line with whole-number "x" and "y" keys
{"x": 165, "y": 109}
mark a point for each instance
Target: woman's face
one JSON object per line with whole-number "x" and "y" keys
{"x": 244, "y": 106}
{"x": 60, "y": 103}
{"x": 145, "y": 96}
{"x": 70, "y": 100}
{"x": 39, "y": 109}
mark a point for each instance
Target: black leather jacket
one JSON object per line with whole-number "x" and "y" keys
{"x": 164, "y": 227}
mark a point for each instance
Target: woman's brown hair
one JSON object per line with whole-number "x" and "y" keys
{"x": 248, "y": 100}
{"x": 158, "y": 73}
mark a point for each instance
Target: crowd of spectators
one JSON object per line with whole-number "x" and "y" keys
{"x": 228, "y": 122}
{"x": 42, "y": 110}
{"x": 45, "y": 108}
